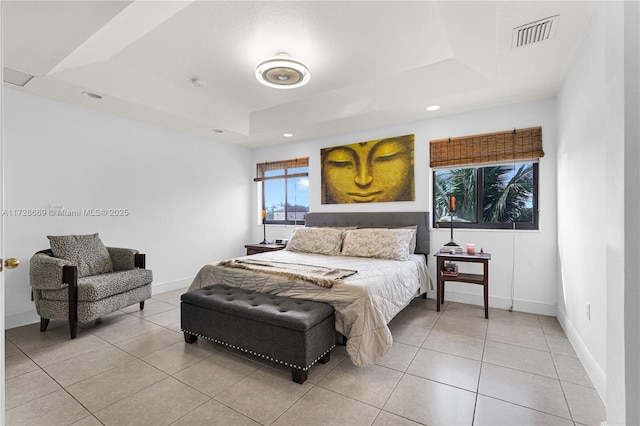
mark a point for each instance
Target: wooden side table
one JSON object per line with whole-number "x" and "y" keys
{"x": 261, "y": 248}
{"x": 480, "y": 279}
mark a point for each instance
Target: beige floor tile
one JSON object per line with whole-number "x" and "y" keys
{"x": 159, "y": 404}
{"x": 88, "y": 421}
{"x": 371, "y": 385}
{"x": 151, "y": 307}
{"x": 18, "y": 364}
{"x": 585, "y": 404}
{"x": 398, "y": 357}
{"x": 165, "y": 318}
{"x": 419, "y": 313}
{"x": 448, "y": 369}
{"x": 29, "y": 336}
{"x": 493, "y": 412}
{"x": 178, "y": 356}
{"x": 468, "y": 326}
{"x": 571, "y": 370}
{"x": 522, "y": 388}
{"x": 319, "y": 371}
{"x": 122, "y": 329}
{"x": 388, "y": 419}
{"x": 27, "y": 387}
{"x": 323, "y": 407}
{"x": 432, "y": 403}
{"x": 57, "y": 408}
{"x": 550, "y": 325}
{"x": 150, "y": 342}
{"x": 70, "y": 348}
{"x": 455, "y": 344}
{"x": 519, "y": 358}
{"x": 217, "y": 373}
{"x": 408, "y": 334}
{"x": 462, "y": 310}
{"x": 515, "y": 318}
{"x": 104, "y": 389}
{"x": 214, "y": 413}
{"x": 560, "y": 345}
{"x": 519, "y": 335}
{"x": 264, "y": 395}
{"x": 10, "y": 349}
{"x": 87, "y": 365}
{"x": 172, "y": 296}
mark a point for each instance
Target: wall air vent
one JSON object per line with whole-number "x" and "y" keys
{"x": 535, "y": 32}
{"x": 18, "y": 78}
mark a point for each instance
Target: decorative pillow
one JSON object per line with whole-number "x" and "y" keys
{"x": 380, "y": 243}
{"x": 316, "y": 240}
{"x": 86, "y": 251}
{"x": 413, "y": 242}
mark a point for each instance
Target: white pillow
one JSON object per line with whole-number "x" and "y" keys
{"x": 316, "y": 240}
{"x": 380, "y": 243}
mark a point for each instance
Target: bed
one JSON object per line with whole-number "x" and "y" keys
{"x": 363, "y": 264}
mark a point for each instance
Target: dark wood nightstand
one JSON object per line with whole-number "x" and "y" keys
{"x": 261, "y": 248}
{"x": 480, "y": 279}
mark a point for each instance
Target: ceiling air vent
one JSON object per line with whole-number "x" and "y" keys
{"x": 18, "y": 78}
{"x": 535, "y": 32}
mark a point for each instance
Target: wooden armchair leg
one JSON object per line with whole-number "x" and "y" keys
{"x": 44, "y": 323}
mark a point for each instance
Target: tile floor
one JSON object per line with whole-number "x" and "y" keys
{"x": 451, "y": 367}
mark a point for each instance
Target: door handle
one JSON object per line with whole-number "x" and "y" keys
{"x": 10, "y": 263}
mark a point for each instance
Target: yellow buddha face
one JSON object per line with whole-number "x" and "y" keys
{"x": 366, "y": 172}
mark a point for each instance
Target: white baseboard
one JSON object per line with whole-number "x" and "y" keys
{"x": 30, "y": 317}
{"x": 501, "y": 303}
{"x": 597, "y": 376}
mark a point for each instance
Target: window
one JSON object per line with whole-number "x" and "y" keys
{"x": 285, "y": 190}
{"x": 493, "y": 177}
{"x": 506, "y": 197}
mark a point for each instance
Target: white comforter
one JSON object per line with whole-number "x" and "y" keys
{"x": 364, "y": 302}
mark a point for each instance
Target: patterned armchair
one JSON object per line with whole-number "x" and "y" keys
{"x": 79, "y": 280}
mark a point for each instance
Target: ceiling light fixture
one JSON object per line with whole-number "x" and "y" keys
{"x": 287, "y": 135}
{"x": 282, "y": 72}
{"x": 433, "y": 107}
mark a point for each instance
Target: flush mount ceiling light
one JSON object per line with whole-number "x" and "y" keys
{"x": 282, "y": 72}
{"x": 432, "y": 108}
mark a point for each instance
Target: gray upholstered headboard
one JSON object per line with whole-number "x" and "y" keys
{"x": 377, "y": 220}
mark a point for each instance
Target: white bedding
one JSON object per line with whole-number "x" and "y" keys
{"x": 364, "y": 302}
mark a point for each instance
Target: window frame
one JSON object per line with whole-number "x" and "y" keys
{"x": 480, "y": 223}
{"x": 285, "y": 165}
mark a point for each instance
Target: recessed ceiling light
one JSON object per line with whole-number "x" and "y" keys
{"x": 92, "y": 95}
{"x": 287, "y": 135}
{"x": 433, "y": 107}
{"x": 282, "y": 72}
{"x": 217, "y": 130}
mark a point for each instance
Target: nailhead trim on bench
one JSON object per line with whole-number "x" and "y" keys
{"x": 286, "y": 364}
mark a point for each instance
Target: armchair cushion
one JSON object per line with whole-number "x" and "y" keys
{"x": 85, "y": 251}
{"x": 97, "y": 287}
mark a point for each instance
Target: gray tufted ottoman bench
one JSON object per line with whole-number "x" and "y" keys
{"x": 293, "y": 332}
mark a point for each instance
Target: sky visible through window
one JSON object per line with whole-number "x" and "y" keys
{"x": 297, "y": 190}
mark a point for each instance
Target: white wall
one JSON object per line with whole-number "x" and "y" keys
{"x": 188, "y": 198}
{"x": 535, "y": 252}
{"x": 597, "y": 171}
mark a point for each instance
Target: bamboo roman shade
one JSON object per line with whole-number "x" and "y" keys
{"x": 263, "y": 168}
{"x": 500, "y": 147}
